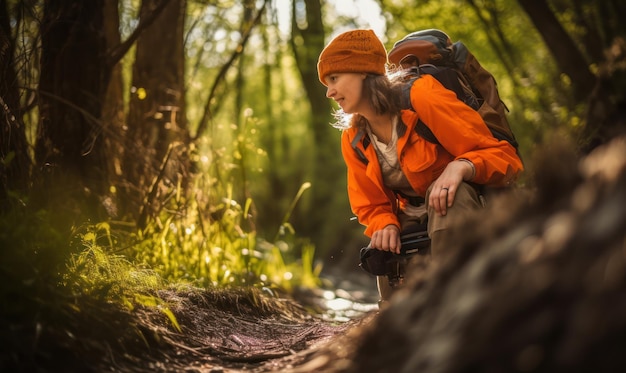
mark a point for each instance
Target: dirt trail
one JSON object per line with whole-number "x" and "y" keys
{"x": 232, "y": 333}
{"x": 195, "y": 330}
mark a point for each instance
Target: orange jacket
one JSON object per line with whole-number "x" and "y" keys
{"x": 461, "y": 132}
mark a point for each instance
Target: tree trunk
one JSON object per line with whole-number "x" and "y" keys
{"x": 604, "y": 94}
{"x": 69, "y": 149}
{"x": 15, "y": 163}
{"x": 113, "y": 113}
{"x": 156, "y": 119}
{"x": 567, "y": 56}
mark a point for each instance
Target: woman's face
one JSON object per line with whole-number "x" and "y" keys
{"x": 347, "y": 90}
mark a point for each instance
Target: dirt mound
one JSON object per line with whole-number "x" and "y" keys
{"x": 536, "y": 285}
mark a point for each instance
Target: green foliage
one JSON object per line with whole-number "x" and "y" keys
{"x": 212, "y": 247}
{"x": 44, "y": 270}
{"x": 98, "y": 272}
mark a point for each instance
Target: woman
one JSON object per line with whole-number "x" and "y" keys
{"x": 402, "y": 168}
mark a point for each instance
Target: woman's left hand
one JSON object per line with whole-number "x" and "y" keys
{"x": 444, "y": 188}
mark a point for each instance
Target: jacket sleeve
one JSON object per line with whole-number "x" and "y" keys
{"x": 463, "y": 133}
{"x": 369, "y": 200}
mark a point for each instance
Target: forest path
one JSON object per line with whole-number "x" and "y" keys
{"x": 235, "y": 331}
{"x": 188, "y": 329}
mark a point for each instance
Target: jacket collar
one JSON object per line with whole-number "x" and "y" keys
{"x": 364, "y": 138}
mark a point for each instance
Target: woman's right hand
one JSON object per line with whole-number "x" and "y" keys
{"x": 387, "y": 239}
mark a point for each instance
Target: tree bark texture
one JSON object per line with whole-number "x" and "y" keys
{"x": 69, "y": 150}
{"x": 113, "y": 110}
{"x": 156, "y": 119}
{"x": 15, "y": 163}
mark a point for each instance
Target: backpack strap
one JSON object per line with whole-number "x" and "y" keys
{"x": 421, "y": 128}
{"x": 361, "y": 135}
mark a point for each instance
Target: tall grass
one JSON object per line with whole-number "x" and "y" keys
{"x": 211, "y": 246}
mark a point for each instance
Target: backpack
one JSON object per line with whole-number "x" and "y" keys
{"x": 431, "y": 52}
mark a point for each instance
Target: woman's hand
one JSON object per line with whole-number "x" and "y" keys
{"x": 444, "y": 189}
{"x": 387, "y": 239}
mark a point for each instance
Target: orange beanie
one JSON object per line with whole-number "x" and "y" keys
{"x": 358, "y": 51}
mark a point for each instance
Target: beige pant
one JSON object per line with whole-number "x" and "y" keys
{"x": 466, "y": 200}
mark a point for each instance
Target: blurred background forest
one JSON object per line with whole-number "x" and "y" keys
{"x": 192, "y": 137}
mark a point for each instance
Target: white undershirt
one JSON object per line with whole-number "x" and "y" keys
{"x": 393, "y": 177}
